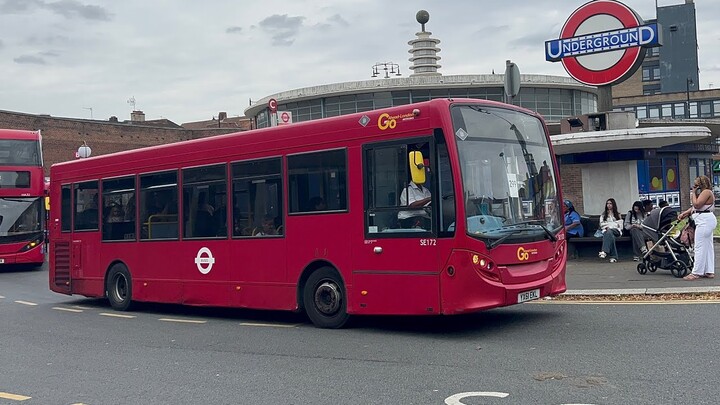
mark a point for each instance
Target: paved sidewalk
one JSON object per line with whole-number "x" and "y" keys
{"x": 594, "y": 276}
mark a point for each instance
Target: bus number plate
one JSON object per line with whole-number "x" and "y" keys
{"x": 529, "y": 295}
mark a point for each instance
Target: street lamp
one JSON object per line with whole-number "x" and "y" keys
{"x": 388, "y": 67}
{"x": 688, "y": 82}
{"x": 83, "y": 151}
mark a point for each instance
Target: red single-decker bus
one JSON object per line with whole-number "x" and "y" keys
{"x": 443, "y": 207}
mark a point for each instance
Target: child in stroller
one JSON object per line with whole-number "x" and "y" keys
{"x": 667, "y": 252}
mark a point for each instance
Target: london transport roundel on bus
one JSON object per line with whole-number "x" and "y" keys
{"x": 603, "y": 42}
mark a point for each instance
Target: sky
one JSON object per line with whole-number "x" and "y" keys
{"x": 188, "y": 60}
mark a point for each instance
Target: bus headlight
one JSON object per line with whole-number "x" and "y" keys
{"x": 32, "y": 244}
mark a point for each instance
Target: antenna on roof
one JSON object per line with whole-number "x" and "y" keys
{"x": 131, "y": 101}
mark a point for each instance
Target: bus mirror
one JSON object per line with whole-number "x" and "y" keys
{"x": 417, "y": 167}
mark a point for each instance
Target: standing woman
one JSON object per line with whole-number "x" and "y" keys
{"x": 611, "y": 224}
{"x": 702, "y": 202}
{"x": 633, "y": 224}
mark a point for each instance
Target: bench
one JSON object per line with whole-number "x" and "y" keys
{"x": 589, "y": 245}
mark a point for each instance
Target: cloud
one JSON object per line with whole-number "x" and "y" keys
{"x": 233, "y": 30}
{"x": 46, "y": 40}
{"x": 66, "y": 8}
{"x": 30, "y": 60}
{"x": 19, "y": 6}
{"x": 282, "y": 28}
{"x": 338, "y": 20}
{"x": 1, "y": 44}
{"x": 72, "y": 8}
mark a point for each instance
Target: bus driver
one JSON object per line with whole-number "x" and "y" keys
{"x": 415, "y": 196}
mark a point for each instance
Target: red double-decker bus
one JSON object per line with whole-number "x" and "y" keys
{"x": 22, "y": 192}
{"x": 441, "y": 207}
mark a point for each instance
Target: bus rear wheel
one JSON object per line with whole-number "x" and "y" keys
{"x": 118, "y": 287}
{"x": 325, "y": 300}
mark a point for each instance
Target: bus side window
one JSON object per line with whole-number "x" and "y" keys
{"x": 86, "y": 206}
{"x": 257, "y": 198}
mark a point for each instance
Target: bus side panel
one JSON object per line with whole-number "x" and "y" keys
{"x": 320, "y": 237}
{"x": 396, "y": 294}
{"x": 155, "y": 268}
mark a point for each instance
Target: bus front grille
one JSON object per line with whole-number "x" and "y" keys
{"x": 62, "y": 265}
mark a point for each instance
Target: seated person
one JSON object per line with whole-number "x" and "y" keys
{"x": 415, "y": 196}
{"x": 611, "y": 225}
{"x": 115, "y": 214}
{"x": 317, "y": 204}
{"x": 573, "y": 227}
{"x": 268, "y": 227}
{"x": 633, "y": 225}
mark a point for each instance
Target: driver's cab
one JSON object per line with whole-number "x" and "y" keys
{"x": 403, "y": 182}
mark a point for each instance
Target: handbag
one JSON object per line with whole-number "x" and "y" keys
{"x": 687, "y": 235}
{"x": 598, "y": 233}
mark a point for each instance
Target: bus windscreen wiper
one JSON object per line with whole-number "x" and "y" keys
{"x": 492, "y": 245}
{"x": 541, "y": 224}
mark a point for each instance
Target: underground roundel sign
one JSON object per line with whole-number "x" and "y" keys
{"x": 603, "y": 42}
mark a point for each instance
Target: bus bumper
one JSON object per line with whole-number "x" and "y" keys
{"x": 469, "y": 290}
{"x": 35, "y": 255}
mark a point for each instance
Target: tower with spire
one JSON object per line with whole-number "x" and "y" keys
{"x": 424, "y": 50}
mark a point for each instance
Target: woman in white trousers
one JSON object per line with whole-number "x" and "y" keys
{"x": 701, "y": 210}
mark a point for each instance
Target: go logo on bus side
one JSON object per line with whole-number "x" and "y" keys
{"x": 385, "y": 122}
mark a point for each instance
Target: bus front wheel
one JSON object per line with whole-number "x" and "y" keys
{"x": 324, "y": 299}
{"x": 118, "y": 287}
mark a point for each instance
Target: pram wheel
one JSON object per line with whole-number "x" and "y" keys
{"x": 678, "y": 268}
{"x": 642, "y": 268}
{"x": 652, "y": 267}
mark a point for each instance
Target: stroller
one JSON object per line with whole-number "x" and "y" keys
{"x": 667, "y": 252}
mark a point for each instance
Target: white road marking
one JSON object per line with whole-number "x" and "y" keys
{"x": 67, "y": 309}
{"x": 26, "y": 303}
{"x": 14, "y": 397}
{"x": 181, "y": 320}
{"x": 269, "y": 325}
{"x": 455, "y": 399}
{"x": 117, "y": 315}
{"x": 1, "y": 296}
{"x": 80, "y": 307}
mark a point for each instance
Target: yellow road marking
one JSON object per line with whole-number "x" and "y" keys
{"x": 655, "y": 302}
{"x": 67, "y": 309}
{"x": 14, "y": 397}
{"x": 269, "y": 325}
{"x": 181, "y": 320}
{"x": 117, "y": 315}
{"x": 26, "y": 303}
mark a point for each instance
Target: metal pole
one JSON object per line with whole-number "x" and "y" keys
{"x": 687, "y": 92}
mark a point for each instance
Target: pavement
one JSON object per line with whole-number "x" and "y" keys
{"x": 595, "y": 276}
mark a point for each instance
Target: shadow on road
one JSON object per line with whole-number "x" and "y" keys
{"x": 520, "y": 317}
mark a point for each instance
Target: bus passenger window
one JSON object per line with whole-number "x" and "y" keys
{"x": 257, "y": 198}
{"x": 86, "y": 206}
{"x": 158, "y": 206}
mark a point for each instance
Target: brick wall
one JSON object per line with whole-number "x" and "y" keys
{"x": 632, "y": 86}
{"x": 571, "y": 183}
{"x": 62, "y": 136}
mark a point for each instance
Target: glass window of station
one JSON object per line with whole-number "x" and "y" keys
{"x": 552, "y": 103}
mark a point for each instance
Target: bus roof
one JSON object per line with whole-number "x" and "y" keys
{"x": 279, "y": 138}
{"x": 19, "y": 134}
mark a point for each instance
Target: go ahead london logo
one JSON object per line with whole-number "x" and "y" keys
{"x": 603, "y": 42}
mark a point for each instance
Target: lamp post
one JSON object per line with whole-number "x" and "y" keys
{"x": 688, "y": 83}
{"x": 388, "y": 67}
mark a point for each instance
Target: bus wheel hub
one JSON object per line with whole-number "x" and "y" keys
{"x": 327, "y": 298}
